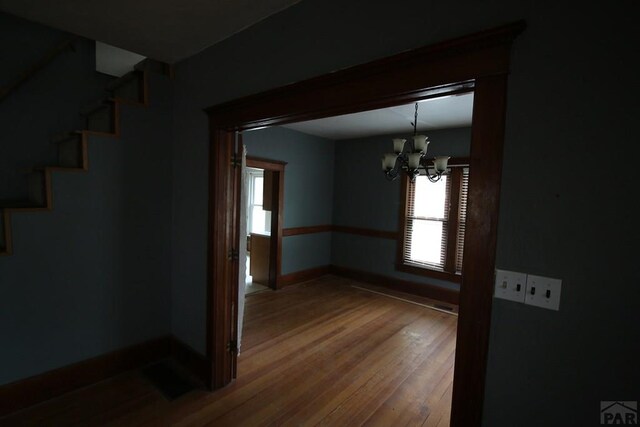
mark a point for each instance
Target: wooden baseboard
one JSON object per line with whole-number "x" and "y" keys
{"x": 30, "y": 391}
{"x": 421, "y": 289}
{"x": 45, "y": 386}
{"x": 303, "y": 276}
{"x": 196, "y": 363}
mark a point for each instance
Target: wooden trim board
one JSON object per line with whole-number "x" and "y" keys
{"x": 30, "y": 391}
{"x": 311, "y": 229}
{"x": 296, "y": 231}
{"x": 424, "y": 290}
{"x": 39, "y": 388}
{"x": 382, "y": 234}
{"x": 303, "y": 275}
{"x": 419, "y": 289}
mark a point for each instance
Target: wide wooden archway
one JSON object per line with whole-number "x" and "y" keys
{"x": 480, "y": 60}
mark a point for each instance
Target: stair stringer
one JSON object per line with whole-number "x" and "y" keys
{"x": 94, "y": 274}
{"x": 6, "y": 212}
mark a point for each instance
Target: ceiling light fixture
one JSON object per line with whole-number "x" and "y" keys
{"x": 412, "y": 158}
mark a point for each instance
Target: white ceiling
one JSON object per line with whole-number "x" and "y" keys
{"x": 437, "y": 113}
{"x": 166, "y": 30}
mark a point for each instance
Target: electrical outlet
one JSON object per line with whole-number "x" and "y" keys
{"x": 510, "y": 285}
{"x": 543, "y": 292}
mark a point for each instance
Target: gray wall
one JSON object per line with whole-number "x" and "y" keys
{"x": 364, "y": 198}
{"x": 46, "y": 104}
{"x": 557, "y": 217}
{"x": 308, "y": 190}
{"x": 93, "y": 275}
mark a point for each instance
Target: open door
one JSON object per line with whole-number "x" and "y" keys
{"x": 242, "y": 259}
{"x": 223, "y": 248}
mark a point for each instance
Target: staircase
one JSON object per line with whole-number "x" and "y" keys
{"x": 101, "y": 118}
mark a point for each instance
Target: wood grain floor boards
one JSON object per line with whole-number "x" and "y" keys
{"x": 334, "y": 359}
{"x": 316, "y": 353}
{"x": 382, "y": 384}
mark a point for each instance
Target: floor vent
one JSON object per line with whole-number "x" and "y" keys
{"x": 169, "y": 379}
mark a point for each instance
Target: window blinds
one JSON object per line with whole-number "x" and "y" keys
{"x": 464, "y": 192}
{"x": 427, "y": 222}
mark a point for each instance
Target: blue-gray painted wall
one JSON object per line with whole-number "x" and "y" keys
{"x": 364, "y": 198}
{"x": 308, "y": 201}
{"x": 558, "y": 217}
{"x": 93, "y": 275}
{"x": 308, "y": 184}
{"x": 46, "y": 104}
{"x": 308, "y": 191}
{"x": 563, "y": 121}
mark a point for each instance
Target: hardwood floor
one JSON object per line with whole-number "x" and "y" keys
{"x": 318, "y": 353}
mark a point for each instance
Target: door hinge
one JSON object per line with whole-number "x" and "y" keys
{"x": 235, "y": 161}
{"x": 232, "y": 346}
{"x": 234, "y": 255}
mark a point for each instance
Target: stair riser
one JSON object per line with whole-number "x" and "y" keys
{"x": 37, "y": 188}
{"x": 3, "y": 238}
{"x": 102, "y": 120}
{"x": 70, "y": 153}
{"x": 131, "y": 90}
{"x": 156, "y": 67}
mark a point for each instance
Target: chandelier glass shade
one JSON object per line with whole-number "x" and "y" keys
{"x": 412, "y": 158}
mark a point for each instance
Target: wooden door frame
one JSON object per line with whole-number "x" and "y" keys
{"x": 481, "y": 58}
{"x": 277, "y": 215}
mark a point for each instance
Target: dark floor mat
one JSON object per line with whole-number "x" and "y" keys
{"x": 169, "y": 380}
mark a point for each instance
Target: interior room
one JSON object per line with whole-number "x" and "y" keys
{"x": 141, "y": 283}
{"x": 333, "y": 178}
{"x": 319, "y": 185}
{"x": 258, "y": 220}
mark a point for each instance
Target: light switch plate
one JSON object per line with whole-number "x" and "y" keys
{"x": 510, "y": 285}
{"x": 543, "y": 292}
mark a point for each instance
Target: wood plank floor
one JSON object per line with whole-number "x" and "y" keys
{"x": 318, "y": 353}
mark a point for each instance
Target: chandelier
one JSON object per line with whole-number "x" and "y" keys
{"x": 412, "y": 157}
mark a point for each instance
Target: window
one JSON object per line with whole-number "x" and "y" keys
{"x": 258, "y": 220}
{"x": 433, "y": 225}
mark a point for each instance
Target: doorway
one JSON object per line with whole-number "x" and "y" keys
{"x": 265, "y": 191}
{"x": 258, "y": 219}
{"x": 408, "y": 77}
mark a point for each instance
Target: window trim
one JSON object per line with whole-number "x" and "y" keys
{"x": 453, "y": 224}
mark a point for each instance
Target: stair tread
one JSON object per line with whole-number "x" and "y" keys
{"x": 96, "y": 105}
{"x": 64, "y": 168}
{"x": 154, "y": 66}
{"x": 20, "y": 203}
{"x": 126, "y": 78}
{"x": 65, "y": 136}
